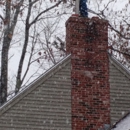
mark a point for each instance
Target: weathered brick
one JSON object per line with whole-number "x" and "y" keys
{"x": 87, "y": 41}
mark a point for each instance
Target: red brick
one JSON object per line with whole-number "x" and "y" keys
{"x": 87, "y": 41}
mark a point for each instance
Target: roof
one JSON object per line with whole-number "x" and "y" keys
{"x": 119, "y": 79}
{"x": 53, "y": 89}
{"x": 123, "y": 123}
{"x": 43, "y": 77}
{"x": 119, "y": 66}
{"x": 44, "y": 104}
{"x": 52, "y": 70}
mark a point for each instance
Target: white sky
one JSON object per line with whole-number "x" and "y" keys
{"x": 16, "y": 49}
{"x": 15, "y": 52}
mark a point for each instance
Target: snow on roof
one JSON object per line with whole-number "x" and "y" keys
{"x": 123, "y": 124}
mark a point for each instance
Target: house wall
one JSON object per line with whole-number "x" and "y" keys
{"x": 119, "y": 92}
{"x": 47, "y": 107}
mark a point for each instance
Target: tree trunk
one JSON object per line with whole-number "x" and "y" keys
{"x": 9, "y": 29}
{"x": 27, "y": 27}
{"x": 4, "y": 56}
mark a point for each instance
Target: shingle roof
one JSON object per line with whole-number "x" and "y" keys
{"x": 123, "y": 120}
{"x": 43, "y": 77}
{"x": 119, "y": 66}
{"x": 119, "y": 79}
{"x": 44, "y": 104}
{"x": 53, "y": 89}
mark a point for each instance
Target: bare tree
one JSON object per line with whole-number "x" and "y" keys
{"x": 15, "y": 11}
{"x": 9, "y": 24}
{"x": 24, "y": 23}
{"x": 117, "y": 15}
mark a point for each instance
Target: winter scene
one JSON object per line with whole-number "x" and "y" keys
{"x": 64, "y": 65}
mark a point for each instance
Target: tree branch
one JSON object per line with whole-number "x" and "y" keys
{"x": 122, "y": 52}
{"x": 2, "y": 18}
{"x": 118, "y": 32}
{"x": 34, "y": 21}
{"x": 27, "y": 27}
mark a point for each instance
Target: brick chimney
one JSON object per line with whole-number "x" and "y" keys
{"x": 87, "y": 41}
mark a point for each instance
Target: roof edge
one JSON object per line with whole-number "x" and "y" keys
{"x": 121, "y": 119}
{"x": 119, "y": 66}
{"x": 34, "y": 84}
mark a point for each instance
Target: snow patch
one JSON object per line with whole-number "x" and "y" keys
{"x": 123, "y": 124}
